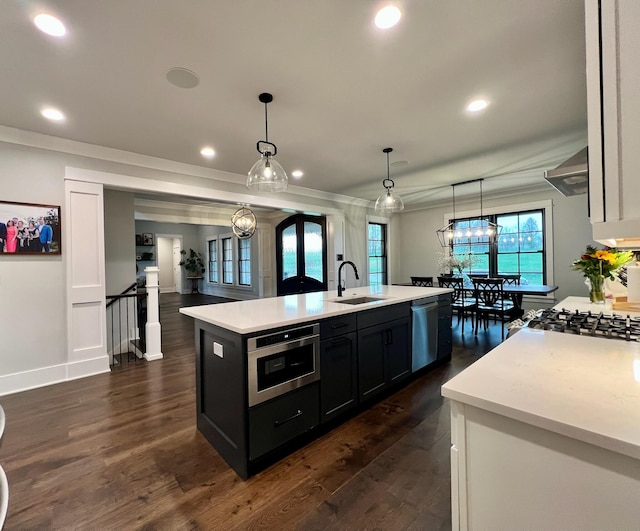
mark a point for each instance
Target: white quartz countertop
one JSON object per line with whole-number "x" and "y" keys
{"x": 262, "y": 314}
{"x": 583, "y": 387}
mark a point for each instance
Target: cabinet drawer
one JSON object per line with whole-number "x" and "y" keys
{"x": 337, "y": 326}
{"x": 383, "y": 315}
{"x": 282, "y": 419}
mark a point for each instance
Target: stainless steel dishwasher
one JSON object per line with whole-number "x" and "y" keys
{"x": 424, "y": 332}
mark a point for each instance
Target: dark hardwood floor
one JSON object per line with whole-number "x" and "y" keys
{"x": 121, "y": 451}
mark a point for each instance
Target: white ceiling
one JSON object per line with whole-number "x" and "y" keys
{"x": 343, "y": 90}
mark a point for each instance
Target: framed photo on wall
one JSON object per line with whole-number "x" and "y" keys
{"x": 147, "y": 238}
{"x": 29, "y": 229}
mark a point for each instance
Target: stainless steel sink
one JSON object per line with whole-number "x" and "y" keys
{"x": 357, "y": 300}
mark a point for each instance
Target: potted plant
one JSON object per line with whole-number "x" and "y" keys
{"x": 193, "y": 263}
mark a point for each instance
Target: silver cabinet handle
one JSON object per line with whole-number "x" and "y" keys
{"x": 281, "y": 422}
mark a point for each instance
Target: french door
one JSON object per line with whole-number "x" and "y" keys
{"x": 301, "y": 254}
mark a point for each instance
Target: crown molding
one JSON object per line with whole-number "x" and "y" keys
{"x": 12, "y": 135}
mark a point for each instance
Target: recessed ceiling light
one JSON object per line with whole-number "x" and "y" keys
{"x": 400, "y": 163}
{"x": 388, "y": 17}
{"x": 477, "y": 105}
{"x": 297, "y": 174}
{"x": 208, "y": 152}
{"x": 52, "y": 114}
{"x": 182, "y": 77}
{"x": 50, "y": 25}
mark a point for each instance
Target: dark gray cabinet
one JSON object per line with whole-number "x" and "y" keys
{"x": 338, "y": 366}
{"x": 282, "y": 419}
{"x": 384, "y": 348}
{"x": 371, "y": 353}
{"x": 338, "y": 380}
{"x": 361, "y": 354}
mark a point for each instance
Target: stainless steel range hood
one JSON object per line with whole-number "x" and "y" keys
{"x": 571, "y": 177}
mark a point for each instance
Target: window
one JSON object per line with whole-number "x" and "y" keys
{"x": 377, "y": 250}
{"x": 244, "y": 262}
{"x": 227, "y": 261}
{"x": 520, "y": 249}
{"x": 521, "y": 246}
{"x": 213, "y": 261}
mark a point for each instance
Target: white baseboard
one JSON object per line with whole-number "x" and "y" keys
{"x": 23, "y": 381}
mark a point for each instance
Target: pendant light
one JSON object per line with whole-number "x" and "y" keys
{"x": 267, "y": 175}
{"x": 486, "y": 232}
{"x": 446, "y": 233}
{"x": 488, "y": 229}
{"x": 388, "y": 201}
{"x": 243, "y": 223}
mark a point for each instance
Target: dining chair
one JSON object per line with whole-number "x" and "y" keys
{"x": 491, "y": 302}
{"x": 462, "y": 305}
{"x": 426, "y": 282}
{"x": 510, "y": 280}
{"x": 513, "y": 280}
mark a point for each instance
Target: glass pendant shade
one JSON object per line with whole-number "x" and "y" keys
{"x": 243, "y": 223}
{"x": 266, "y": 175}
{"x": 389, "y": 202}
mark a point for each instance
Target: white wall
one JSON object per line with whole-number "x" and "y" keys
{"x": 419, "y": 245}
{"x": 119, "y": 241}
{"x": 32, "y": 288}
{"x": 35, "y": 286}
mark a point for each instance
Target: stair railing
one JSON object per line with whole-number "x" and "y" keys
{"x": 125, "y": 342}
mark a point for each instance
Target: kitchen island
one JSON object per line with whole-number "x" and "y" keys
{"x": 271, "y": 372}
{"x": 546, "y": 433}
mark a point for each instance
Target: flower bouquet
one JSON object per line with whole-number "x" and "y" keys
{"x": 449, "y": 262}
{"x": 597, "y": 265}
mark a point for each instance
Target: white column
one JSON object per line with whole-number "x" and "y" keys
{"x": 152, "y": 328}
{"x": 86, "y": 306}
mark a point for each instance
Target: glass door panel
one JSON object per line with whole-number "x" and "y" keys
{"x": 301, "y": 251}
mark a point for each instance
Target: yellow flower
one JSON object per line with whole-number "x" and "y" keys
{"x": 605, "y": 255}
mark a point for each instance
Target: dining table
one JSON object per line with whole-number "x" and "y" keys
{"x": 515, "y": 291}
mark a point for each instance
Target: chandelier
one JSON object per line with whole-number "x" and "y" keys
{"x": 485, "y": 231}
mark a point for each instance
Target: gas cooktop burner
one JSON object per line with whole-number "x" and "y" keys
{"x": 587, "y": 323}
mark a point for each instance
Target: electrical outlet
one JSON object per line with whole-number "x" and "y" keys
{"x": 218, "y": 349}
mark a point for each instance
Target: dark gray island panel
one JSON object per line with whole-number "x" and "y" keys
{"x": 357, "y": 356}
{"x": 221, "y": 392}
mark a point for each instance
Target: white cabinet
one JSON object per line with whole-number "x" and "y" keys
{"x": 507, "y": 474}
{"x": 613, "y": 85}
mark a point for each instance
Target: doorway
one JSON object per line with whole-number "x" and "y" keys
{"x": 168, "y": 249}
{"x": 301, "y": 254}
